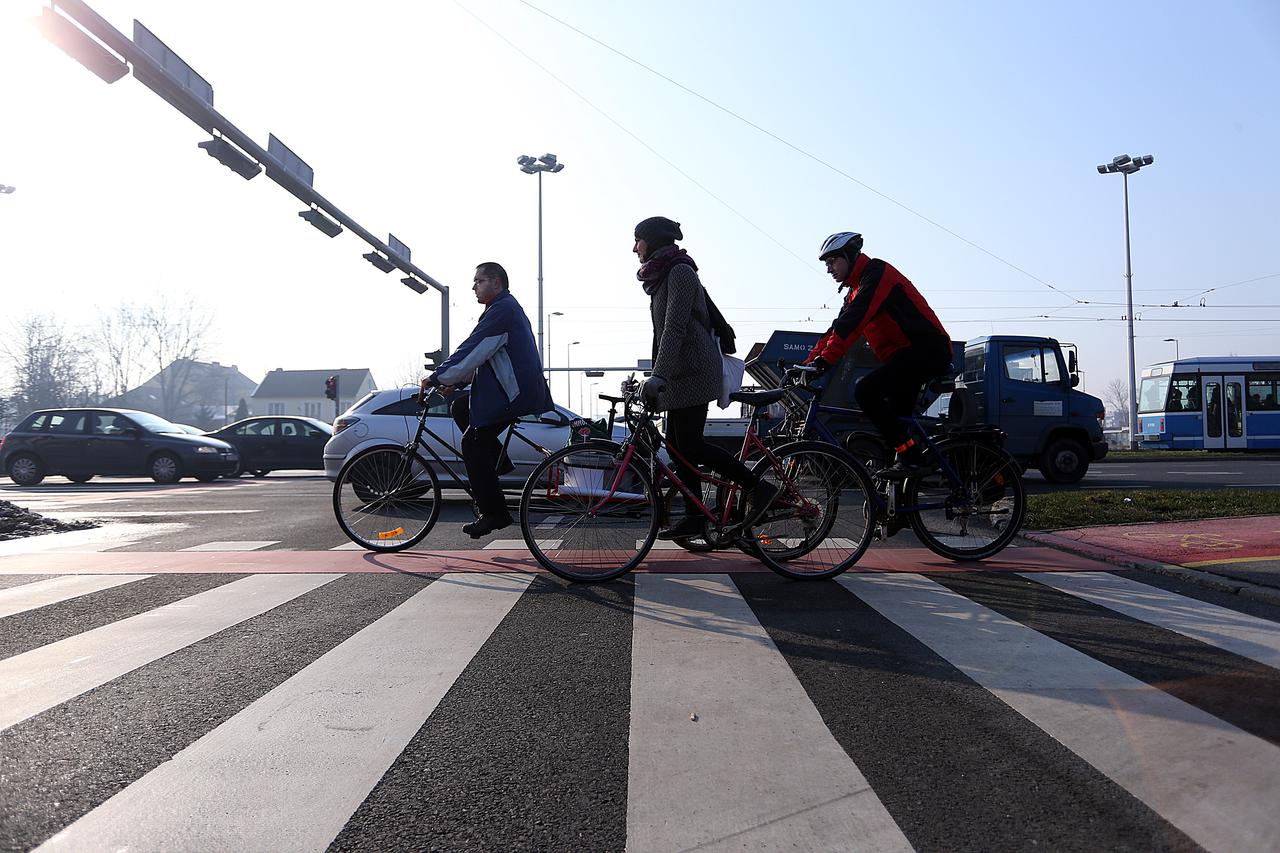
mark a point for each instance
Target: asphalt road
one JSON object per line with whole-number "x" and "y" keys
{"x": 959, "y": 711}
{"x": 292, "y": 510}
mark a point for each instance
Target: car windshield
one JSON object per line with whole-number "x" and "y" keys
{"x": 153, "y": 423}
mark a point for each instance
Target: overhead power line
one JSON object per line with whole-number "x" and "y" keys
{"x": 789, "y": 144}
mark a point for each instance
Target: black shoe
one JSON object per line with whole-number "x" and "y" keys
{"x": 486, "y": 524}
{"x": 903, "y": 469}
{"x": 690, "y": 527}
{"x": 764, "y": 494}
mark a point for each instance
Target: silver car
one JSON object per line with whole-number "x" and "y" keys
{"x": 390, "y": 417}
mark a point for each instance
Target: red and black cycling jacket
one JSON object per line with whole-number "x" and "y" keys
{"x": 886, "y": 307}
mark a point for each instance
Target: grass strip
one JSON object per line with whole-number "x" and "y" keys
{"x": 1089, "y": 508}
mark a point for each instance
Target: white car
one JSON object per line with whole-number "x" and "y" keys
{"x": 390, "y": 417}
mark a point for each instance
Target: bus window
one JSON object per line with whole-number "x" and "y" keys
{"x": 1184, "y": 394}
{"x": 1152, "y": 394}
{"x": 1264, "y": 394}
{"x": 1213, "y": 409}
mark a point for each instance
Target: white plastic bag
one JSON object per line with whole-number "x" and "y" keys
{"x": 731, "y": 371}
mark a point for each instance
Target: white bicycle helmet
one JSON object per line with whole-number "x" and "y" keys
{"x": 847, "y": 243}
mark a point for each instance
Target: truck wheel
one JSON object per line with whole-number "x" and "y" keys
{"x": 1064, "y": 461}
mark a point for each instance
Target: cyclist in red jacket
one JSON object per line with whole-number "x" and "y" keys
{"x": 903, "y": 332}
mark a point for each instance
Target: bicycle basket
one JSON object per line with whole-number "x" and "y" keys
{"x": 582, "y": 430}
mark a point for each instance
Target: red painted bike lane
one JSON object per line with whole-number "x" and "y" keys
{"x": 1192, "y": 544}
{"x": 1023, "y": 559}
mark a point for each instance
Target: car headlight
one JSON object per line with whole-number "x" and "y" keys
{"x": 206, "y": 449}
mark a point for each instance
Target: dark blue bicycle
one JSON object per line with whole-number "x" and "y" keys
{"x": 968, "y": 502}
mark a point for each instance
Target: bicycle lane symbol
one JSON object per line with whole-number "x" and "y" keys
{"x": 1195, "y": 542}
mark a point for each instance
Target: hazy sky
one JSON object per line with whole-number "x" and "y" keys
{"x": 953, "y": 125}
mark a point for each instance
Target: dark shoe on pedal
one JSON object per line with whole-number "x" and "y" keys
{"x": 901, "y": 470}
{"x": 764, "y": 494}
{"x": 690, "y": 527}
{"x": 486, "y": 524}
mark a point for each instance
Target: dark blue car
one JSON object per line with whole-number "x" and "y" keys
{"x": 80, "y": 444}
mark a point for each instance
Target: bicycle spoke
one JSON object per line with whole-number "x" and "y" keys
{"x": 975, "y": 513}
{"x": 385, "y": 499}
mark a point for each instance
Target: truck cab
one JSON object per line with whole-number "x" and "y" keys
{"x": 1024, "y": 385}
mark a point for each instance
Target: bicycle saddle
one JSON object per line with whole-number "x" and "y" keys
{"x": 758, "y": 398}
{"x": 609, "y": 399}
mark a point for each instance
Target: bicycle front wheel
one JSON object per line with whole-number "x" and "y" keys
{"x": 386, "y": 499}
{"x": 587, "y": 517}
{"x": 822, "y": 520}
{"x": 972, "y": 506}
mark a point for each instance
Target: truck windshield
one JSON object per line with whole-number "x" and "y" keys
{"x": 1152, "y": 394}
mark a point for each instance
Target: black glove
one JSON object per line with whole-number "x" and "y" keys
{"x": 652, "y": 387}
{"x": 821, "y": 365}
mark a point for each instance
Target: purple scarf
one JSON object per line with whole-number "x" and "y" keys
{"x": 654, "y": 271}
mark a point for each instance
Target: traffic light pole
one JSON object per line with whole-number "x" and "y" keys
{"x": 152, "y": 75}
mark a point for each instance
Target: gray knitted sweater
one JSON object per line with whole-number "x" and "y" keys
{"x": 684, "y": 353}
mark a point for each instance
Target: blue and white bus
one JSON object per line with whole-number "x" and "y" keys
{"x": 1217, "y": 403}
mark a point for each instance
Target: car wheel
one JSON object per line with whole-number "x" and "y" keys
{"x": 261, "y": 472}
{"x": 79, "y": 478}
{"x": 206, "y": 478}
{"x": 165, "y": 468}
{"x": 26, "y": 470}
{"x": 1064, "y": 461}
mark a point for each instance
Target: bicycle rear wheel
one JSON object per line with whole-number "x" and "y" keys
{"x": 973, "y": 514}
{"x": 585, "y": 517}
{"x": 386, "y": 499}
{"x": 822, "y": 520}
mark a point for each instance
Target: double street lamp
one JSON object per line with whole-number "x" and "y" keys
{"x": 536, "y": 166}
{"x": 1126, "y": 166}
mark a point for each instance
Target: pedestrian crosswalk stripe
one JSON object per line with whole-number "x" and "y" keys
{"x": 707, "y": 681}
{"x": 42, "y": 593}
{"x": 1206, "y": 777}
{"x": 232, "y": 546}
{"x": 1238, "y": 633}
{"x": 331, "y": 731}
{"x": 41, "y": 678}
{"x": 519, "y": 544}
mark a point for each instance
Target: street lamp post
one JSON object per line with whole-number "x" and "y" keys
{"x": 1175, "y": 346}
{"x": 547, "y": 363}
{"x": 568, "y": 374}
{"x": 1126, "y": 166}
{"x": 536, "y": 166}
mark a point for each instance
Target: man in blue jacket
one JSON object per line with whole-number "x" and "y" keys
{"x": 500, "y": 361}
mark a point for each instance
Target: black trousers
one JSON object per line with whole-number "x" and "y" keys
{"x": 888, "y": 393}
{"x": 481, "y": 450}
{"x": 684, "y": 435}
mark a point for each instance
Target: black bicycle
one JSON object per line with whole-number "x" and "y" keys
{"x": 387, "y": 498}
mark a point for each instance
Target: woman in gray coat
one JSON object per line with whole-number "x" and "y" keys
{"x": 686, "y": 368}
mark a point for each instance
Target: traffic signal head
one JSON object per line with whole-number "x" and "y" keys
{"x": 331, "y": 387}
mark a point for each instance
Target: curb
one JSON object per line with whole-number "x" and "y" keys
{"x": 1244, "y": 589}
{"x": 1242, "y": 457}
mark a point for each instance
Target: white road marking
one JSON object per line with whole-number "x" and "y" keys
{"x": 232, "y": 546}
{"x": 1208, "y": 778}
{"x": 30, "y": 596}
{"x": 288, "y": 771}
{"x": 37, "y": 680}
{"x": 698, "y": 651}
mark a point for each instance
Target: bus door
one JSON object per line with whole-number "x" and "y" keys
{"x": 1224, "y": 412}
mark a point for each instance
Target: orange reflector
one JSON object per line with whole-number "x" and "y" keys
{"x": 999, "y": 479}
{"x": 390, "y": 533}
{"x": 765, "y": 539}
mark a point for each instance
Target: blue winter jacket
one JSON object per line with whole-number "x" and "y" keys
{"x": 500, "y": 360}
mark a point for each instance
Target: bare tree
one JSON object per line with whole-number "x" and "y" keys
{"x": 1115, "y": 396}
{"x": 118, "y": 338}
{"x": 410, "y": 372}
{"x": 174, "y": 336}
{"x": 49, "y": 367}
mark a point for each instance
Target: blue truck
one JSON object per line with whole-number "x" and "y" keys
{"x": 1022, "y": 384}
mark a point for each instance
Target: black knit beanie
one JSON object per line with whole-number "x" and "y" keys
{"x": 658, "y": 231}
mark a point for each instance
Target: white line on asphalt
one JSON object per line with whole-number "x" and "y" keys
{"x": 232, "y": 546}
{"x": 20, "y": 599}
{"x": 41, "y": 678}
{"x": 1238, "y": 633}
{"x": 1205, "y": 473}
{"x": 331, "y": 731}
{"x": 143, "y": 513}
{"x": 1208, "y": 778}
{"x": 519, "y": 545}
{"x": 705, "y": 680}
{"x": 349, "y": 546}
